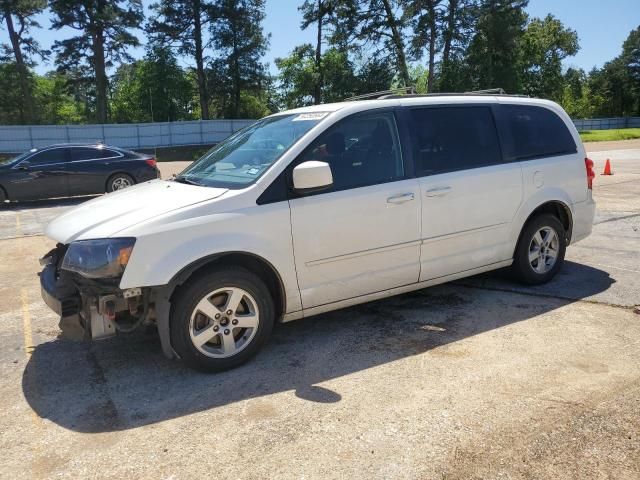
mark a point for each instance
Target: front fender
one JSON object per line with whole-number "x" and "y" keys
{"x": 164, "y": 251}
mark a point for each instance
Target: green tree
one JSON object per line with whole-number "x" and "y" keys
{"x": 494, "y": 54}
{"x": 377, "y": 24}
{"x": 318, "y": 12}
{"x": 55, "y": 100}
{"x": 545, "y": 43}
{"x": 23, "y": 47}
{"x": 426, "y": 18}
{"x": 240, "y": 44}
{"x": 458, "y": 27}
{"x": 105, "y": 36}
{"x": 182, "y": 24}
{"x": 152, "y": 89}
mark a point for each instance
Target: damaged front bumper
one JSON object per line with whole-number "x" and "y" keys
{"x": 89, "y": 308}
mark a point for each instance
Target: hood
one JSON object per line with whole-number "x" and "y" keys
{"x": 111, "y": 213}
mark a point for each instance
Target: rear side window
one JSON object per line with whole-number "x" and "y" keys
{"x": 84, "y": 153}
{"x": 454, "y": 138}
{"x": 534, "y": 132}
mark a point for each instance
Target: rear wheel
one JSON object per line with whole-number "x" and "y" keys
{"x": 540, "y": 251}
{"x": 3, "y": 196}
{"x": 119, "y": 181}
{"x": 219, "y": 320}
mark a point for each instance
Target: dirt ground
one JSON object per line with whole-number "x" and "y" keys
{"x": 478, "y": 379}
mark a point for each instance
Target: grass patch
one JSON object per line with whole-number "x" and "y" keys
{"x": 610, "y": 135}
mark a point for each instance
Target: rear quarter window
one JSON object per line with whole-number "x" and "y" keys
{"x": 535, "y": 132}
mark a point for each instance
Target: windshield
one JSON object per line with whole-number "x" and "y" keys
{"x": 239, "y": 160}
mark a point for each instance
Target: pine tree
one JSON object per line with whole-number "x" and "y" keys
{"x": 18, "y": 17}
{"x": 183, "y": 24}
{"x": 240, "y": 44}
{"x": 105, "y": 34}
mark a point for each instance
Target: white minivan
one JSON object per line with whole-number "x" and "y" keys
{"x": 319, "y": 208}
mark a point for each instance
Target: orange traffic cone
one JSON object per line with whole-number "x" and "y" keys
{"x": 607, "y": 168}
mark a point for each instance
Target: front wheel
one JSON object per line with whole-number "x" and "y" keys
{"x": 219, "y": 320}
{"x": 540, "y": 251}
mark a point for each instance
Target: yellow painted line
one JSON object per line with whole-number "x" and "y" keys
{"x": 18, "y": 225}
{"x": 26, "y": 323}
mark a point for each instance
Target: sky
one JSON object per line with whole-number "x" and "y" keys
{"x": 602, "y": 27}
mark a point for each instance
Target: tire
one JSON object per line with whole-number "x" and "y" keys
{"x": 223, "y": 345}
{"x": 540, "y": 251}
{"x": 3, "y": 197}
{"x": 119, "y": 181}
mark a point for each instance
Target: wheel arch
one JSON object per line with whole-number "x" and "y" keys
{"x": 556, "y": 208}
{"x": 252, "y": 262}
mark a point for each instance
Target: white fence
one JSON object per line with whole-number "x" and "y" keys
{"x": 606, "y": 123}
{"x": 15, "y": 139}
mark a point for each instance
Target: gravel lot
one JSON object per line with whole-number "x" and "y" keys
{"x": 476, "y": 379}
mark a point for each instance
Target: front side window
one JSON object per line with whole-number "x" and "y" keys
{"x": 535, "y": 132}
{"x": 46, "y": 157}
{"x": 243, "y": 157}
{"x": 361, "y": 150}
{"x": 454, "y": 138}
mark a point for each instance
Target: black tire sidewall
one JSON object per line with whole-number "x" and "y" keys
{"x": 113, "y": 178}
{"x": 185, "y": 301}
{"x": 522, "y": 267}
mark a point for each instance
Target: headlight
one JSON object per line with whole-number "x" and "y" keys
{"x": 105, "y": 258}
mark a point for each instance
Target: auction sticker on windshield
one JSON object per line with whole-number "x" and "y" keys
{"x": 310, "y": 116}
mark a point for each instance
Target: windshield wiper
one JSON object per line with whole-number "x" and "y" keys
{"x": 182, "y": 179}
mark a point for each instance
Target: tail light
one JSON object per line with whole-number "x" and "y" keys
{"x": 151, "y": 162}
{"x": 588, "y": 164}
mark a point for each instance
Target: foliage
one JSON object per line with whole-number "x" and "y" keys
{"x": 152, "y": 89}
{"x": 204, "y": 58}
{"x": 610, "y": 135}
{"x": 102, "y": 42}
{"x": 240, "y": 43}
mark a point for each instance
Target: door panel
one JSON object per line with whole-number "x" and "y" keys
{"x": 355, "y": 242}
{"x": 89, "y": 169}
{"x": 363, "y": 234}
{"x": 469, "y": 195}
{"x": 43, "y": 175}
{"x": 467, "y": 225}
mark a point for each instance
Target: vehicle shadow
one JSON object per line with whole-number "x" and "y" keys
{"x": 125, "y": 382}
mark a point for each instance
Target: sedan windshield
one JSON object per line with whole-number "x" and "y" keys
{"x": 242, "y": 158}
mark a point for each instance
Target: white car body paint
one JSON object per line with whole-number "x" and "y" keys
{"x": 341, "y": 248}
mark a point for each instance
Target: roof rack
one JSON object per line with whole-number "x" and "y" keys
{"x": 410, "y": 92}
{"x": 373, "y": 95}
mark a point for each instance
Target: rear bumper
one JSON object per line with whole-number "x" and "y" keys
{"x": 583, "y": 215}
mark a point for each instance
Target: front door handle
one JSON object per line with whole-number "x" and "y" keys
{"x": 438, "y": 191}
{"x": 402, "y": 198}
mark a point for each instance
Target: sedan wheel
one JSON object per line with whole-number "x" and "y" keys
{"x": 118, "y": 182}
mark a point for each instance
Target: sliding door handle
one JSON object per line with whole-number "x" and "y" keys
{"x": 402, "y": 198}
{"x": 438, "y": 191}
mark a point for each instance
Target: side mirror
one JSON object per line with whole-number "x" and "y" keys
{"x": 26, "y": 165}
{"x": 312, "y": 176}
